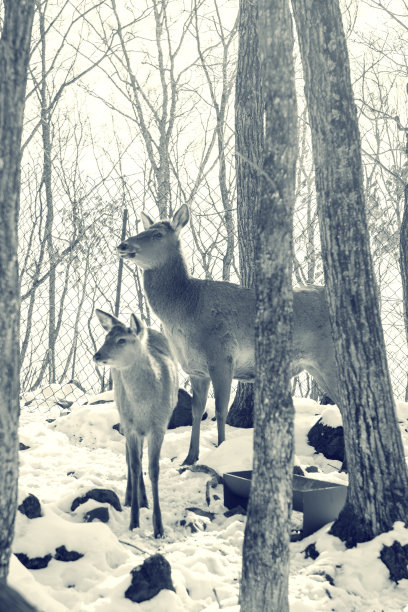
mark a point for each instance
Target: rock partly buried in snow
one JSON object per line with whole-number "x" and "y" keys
{"x": 311, "y": 551}
{"x": 395, "y": 557}
{"x": 34, "y": 563}
{"x": 103, "y": 496}
{"x": 62, "y": 554}
{"x": 149, "y": 579}
{"x": 182, "y": 414}
{"x": 31, "y": 507}
{"x": 23, "y": 446}
{"x": 117, "y": 428}
{"x": 100, "y": 514}
{"x": 326, "y": 435}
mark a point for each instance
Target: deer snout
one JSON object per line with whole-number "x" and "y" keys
{"x": 98, "y": 358}
{"x": 125, "y": 250}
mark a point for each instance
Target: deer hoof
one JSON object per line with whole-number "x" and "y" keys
{"x": 190, "y": 459}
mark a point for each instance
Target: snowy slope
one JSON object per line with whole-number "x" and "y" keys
{"x": 80, "y": 451}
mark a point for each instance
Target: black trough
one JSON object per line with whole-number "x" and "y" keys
{"x": 319, "y": 500}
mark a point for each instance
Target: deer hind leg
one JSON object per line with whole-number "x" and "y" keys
{"x": 134, "y": 444}
{"x": 128, "y": 494}
{"x": 155, "y": 441}
{"x": 326, "y": 374}
{"x": 142, "y": 490}
{"x": 199, "y": 386}
{"x": 221, "y": 377}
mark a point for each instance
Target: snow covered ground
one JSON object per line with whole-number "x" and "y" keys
{"x": 80, "y": 451}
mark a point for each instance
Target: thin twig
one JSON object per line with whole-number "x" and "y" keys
{"x": 145, "y": 552}
{"x": 216, "y": 597}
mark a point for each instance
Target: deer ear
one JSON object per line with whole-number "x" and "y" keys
{"x": 180, "y": 218}
{"x": 107, "y": 320}
{"x": 137, "y": 326}
{"x": 146, "y": 220}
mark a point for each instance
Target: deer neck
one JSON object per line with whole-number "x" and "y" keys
{"x": 136, "y": 379}
{"x": 167, "y": 286}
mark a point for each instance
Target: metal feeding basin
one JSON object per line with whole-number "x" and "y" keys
{"x": 319, "y": 500}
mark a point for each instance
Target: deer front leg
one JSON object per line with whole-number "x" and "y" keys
{"x": 134, "y": 444}
{"x": 199, "y": 387}
{"x": 155, "y": 443}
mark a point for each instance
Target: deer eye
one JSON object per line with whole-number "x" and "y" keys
{"x": 157, "y": 236}
{"x": 121, "y": 341}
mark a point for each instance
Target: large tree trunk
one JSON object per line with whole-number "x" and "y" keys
{"x": 378, "y": 482}
{"x": 248, "y": 152}
{"x": 14, "y": 55}
{"x": 404, "y": 264}
{"x": 264, "y": 586}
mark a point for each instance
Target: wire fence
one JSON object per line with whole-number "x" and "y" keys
{"x": 68, "y": 267}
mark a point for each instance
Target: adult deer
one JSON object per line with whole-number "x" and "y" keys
{"x": 211, "y": 324}
{"x": 145, "y": 385}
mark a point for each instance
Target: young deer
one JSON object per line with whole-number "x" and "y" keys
{"x": 145, "y": 385}
{"x": 211, "y": 324}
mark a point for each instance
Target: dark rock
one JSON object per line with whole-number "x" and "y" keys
{"x": 31, "y": 507}
{"x": 62, "y": 554}
{"x": 23, "y": 446}
{"x": 34, "y": 562}
{"x": 311, "y": 469}
{"x": 326, "y": 401}
{"x": 77, "y": 384}
{"x": 395, "y": 557}
{"x": 149, "y": 579}
{"x": 66, "y": 404}
{"x": 117, "y": 427}
{"x": 103, "y": 496}
{"x": 298, "y": 470}
{"x": 182, "y": 412}
{"x": 100, "y": 514}
{"x": 311, "y": 551}
{"x": 296, "y": 535}
{"x": 327, "y": 440}
{"x": 205, "y": 513}
{"x": 50, "y": 420}
{"x": 234, "y": 511}
{"x": 12, "y": 601}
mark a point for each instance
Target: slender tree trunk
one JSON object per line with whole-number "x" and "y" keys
{"x": 378, "y": 481}
{"x": 49, "y": 200}
{"x": 248, "y": 152}
{"x": 265, "y": 568}
{"x": 14, "y": 56}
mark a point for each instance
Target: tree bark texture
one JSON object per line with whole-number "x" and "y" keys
{"x": 404, "y": 262}
{"x": 248, "y": 152}
{"x": 378, "y": 482}
{"x": 14, "y": 56}
{"x": 264, "y": 586}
